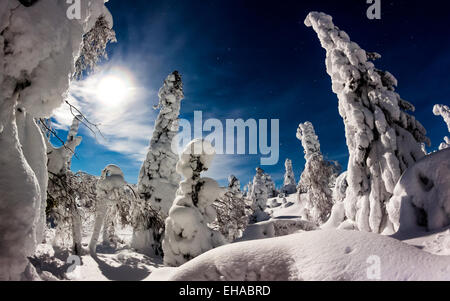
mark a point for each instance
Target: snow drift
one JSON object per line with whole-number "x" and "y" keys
{"x": 316, "y": 255}
{"x": 422, "y": 196}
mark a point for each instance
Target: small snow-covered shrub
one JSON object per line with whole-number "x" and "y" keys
{"x": 187, "y": 234}
{"x": 233, "y": 211}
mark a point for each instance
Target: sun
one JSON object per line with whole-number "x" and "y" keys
{"x": 113, "y": 90}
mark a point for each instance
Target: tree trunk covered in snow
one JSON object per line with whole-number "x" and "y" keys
{"x": 35, "y": 68}
{"x": 383, "y": 139}
{"x": 317, "y": 176}
{"x": 158, "y": 180}
{"x": 444, "y": 111}
{"x": 187, "y": 234}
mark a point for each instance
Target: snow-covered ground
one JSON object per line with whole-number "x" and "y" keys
{"x": 282, "y": 248}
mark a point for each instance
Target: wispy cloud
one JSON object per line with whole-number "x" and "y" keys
{"x": 126, "y": 120}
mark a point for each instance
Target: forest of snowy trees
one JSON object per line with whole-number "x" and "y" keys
{"x": 185, "y": 221}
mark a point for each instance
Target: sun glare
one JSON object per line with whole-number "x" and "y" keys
{"x": 113, "y": 90}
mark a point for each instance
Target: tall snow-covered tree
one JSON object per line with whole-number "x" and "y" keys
{"x": 61, "y": 191}
{"x": 32, "y": 85}
{"x": 158, "y": 180}
{"x": 233, "y": 211}
{"x": 187, "y": 234}
{"x": 316, "y": 177}
{"x": 289, "y": 185}
{"x": 444, "y": 111}
{"x": 382, "y": 138}
{"x": 259, "y": 195}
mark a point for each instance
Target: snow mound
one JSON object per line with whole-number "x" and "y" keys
{"x": 422, "y": 196}
{"x": 315, "y": 255}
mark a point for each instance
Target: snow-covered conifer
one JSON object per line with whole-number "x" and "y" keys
{"x": 289, "y": 185}
{"x": 187, "y": 234}
{"x": 444, "y": 111}
{"x": 383, "y": 139}
{"x": 108, "y": 191}
{"x": 270, "y": 184}
{"x": 233, "y": 211}
{"x": 259, "y": 195}
{"x": 318, "y": 176}
{"x": 158, "y": 180}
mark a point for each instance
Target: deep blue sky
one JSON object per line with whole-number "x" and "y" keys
{"x": 256, "y": 59}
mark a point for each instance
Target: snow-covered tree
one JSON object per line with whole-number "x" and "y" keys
{"x": 382, "y": 138}
{"x": 233, "y": 211}
{"x": 187, "y": 234}
{"x": 289, "y": 185}
{"x": 272, "y": 191}
{"x": 94, "y": 46}
{"x": 259, "y": 195}
{"x": 32, "y": 85}
{"x": 111, "y": 190}
{"x": 444, "y": 111}
{"x": 158, "y": 180}
{"x": 317, "y": 176}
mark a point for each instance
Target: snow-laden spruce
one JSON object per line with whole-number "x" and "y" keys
{"x": 422, "y": 196}
{"x": 382, "y": 138}
{"x": 36, "y": 65}
{"x": 270, "y": 184}
{"x": 317, "y": 176}
{"x": 158, "y": 179}
{"x": 289, "y": 185}
{"x": 187, "y": 234}
{"x": 108, "y": 189}
{"x": 444, "y": 111}
{"x": 259, "y": 195}
{"x": 233, "y": 211}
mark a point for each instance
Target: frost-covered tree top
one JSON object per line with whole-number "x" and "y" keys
{"x": 158, "y": 179}
{"x": 310, "y": 142}
{"x": 59, "y": 159}
{"x": 383, "y": 139}
{"x": 187, "y": 234}
{"x": 444, "y": 111}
